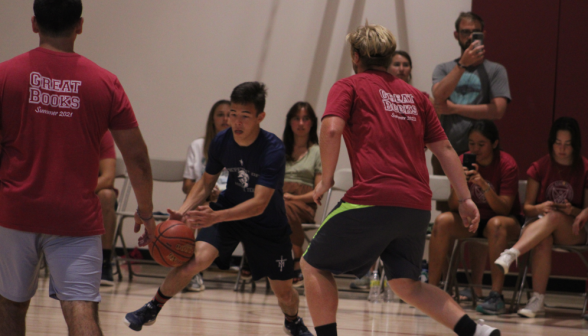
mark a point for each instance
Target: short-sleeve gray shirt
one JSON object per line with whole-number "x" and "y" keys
{"x": 477, "y": 85}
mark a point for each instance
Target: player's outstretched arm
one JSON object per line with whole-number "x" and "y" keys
{"x": 454, "y": 171}
{"x": 204, "y": 216}
{"x": 330, "y": 143}
{"x": 136, "y": 157}
{"x": 199, "y": 192}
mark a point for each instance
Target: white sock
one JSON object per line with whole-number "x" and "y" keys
{"x": 540, "y": 296}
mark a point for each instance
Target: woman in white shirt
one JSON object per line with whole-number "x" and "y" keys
{"x": 218, "y": 120}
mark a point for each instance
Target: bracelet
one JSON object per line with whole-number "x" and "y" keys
{"x": 484, "y": 191}
{"x": 463, "y": 200}
{"x": 144, "y": 219}
{"x": 461, "y": 65}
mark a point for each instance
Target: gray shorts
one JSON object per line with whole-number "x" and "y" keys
{"x": 352, "y": 238}
{"x": 75, "y": 265}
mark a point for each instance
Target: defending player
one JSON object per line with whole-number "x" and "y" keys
{"x": 386, "y": 124}
{"x": 55, "y": 106}
{"x": 251, "y": 210}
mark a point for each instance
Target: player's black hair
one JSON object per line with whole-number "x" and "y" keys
{"x": 488, "y": 130}
{"x": 469, "y": 16}
{"x": 250, "y": 92}
{"x": 57, "y": 17}
{"x": 288, "y": 136}
{"x": 571, "y": 125}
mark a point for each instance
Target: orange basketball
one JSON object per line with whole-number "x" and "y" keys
{"x": 173, "y": 245}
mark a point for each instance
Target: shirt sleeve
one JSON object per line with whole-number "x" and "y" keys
{"x": 509, "y": 179}
{"x": 439, "y": 73}
{"x": 274, "y": 168}
{"x": 107, "y": 147}
{"x": 533, "y": 172}
{"x": 433, "y": 130}
{"x": 499, "y": 83}
{"x": 340, "y": 101}
{"x": 214, "y": 164}
{"x": 193, "y": 169}
{"x": 122, "y": 115}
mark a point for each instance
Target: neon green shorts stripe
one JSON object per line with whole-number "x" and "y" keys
{"x": 342, "y": 208}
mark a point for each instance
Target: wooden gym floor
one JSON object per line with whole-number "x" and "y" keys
{"x": 220, "y": 311}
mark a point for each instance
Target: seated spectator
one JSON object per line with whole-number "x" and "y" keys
{"x": 218, "y": 119}
{"x": 494, "y": 188}
{"x": 107, "y": 196}
{"x": 303, "y": 173}
{"x": 557, "y": 191}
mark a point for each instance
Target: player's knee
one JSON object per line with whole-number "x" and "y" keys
{"x": 107, "y": 197}
{"x": 443, "y": 224}
{"x": 285, "y": 295}
{"x": 496, "y": 226}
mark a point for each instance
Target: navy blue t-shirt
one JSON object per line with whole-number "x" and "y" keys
{"x": 263, "y": 162}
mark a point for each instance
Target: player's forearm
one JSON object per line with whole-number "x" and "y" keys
{"x": 443, "y": 89}
{"x": 330, "y": 144}
{"x": 497, "y": 203}
{"x": 247, "y": 209}
{"x": 198, "y": 194}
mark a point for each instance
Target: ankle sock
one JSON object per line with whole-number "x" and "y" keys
{"x": 106, "y": 256}
{"x": 465, "y": 326}
{"x": 159, "y": 299}
{"x": 326, "y": 330}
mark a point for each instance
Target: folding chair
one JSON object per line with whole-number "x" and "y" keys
{"x": 163, "y": 171}
{"x": 458, "y": 256}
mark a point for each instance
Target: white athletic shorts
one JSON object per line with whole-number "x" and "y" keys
{"x": 75, "y": 265}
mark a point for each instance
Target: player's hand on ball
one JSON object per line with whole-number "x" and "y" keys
{"x": 173, "y": 214}
{"x": 149, "y": 235}
{"x": 202, "y": 217}
{"x": 468, "y": 211}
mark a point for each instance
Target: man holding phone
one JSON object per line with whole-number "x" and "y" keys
{"x": 468, "y": 88}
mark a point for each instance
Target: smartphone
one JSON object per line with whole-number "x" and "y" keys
{"x": 468, "y": 160}
{"x": 478, "y": 37}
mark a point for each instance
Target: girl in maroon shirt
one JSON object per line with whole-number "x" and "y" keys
{"x": 494, "y": 187}
{"x": 557, "y": 191}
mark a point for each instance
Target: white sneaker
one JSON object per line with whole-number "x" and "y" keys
{"x": 534, "y": 307}
{"x": 196, "y": 284}
{"x": 506, "y": 258}
{"x": 485, "y": 330}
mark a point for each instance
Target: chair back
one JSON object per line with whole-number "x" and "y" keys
{"x": 343, "y": 181}
{"x": 167, "y": 170}
{"x": 440, "y": 187}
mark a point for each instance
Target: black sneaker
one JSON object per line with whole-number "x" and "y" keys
{"x": 296, "y": 328}
{"x": 106, "y": 279}
{"x": 145, "y": 315}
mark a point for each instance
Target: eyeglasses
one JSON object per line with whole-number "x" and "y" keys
{"x": 468, "y": 32}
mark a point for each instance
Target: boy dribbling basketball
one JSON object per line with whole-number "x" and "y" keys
{"x": 251, "y": 210}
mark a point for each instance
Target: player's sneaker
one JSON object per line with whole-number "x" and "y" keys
{"x": 361, "y": 283}
{"x": 506, "y": 258}
{"x": 485, "y": 330}
{"x": 196, "y": 284}
{"x": 494, "y": 305}
{"x": 296, "y": 328}
{"x": 145, "y": 315}
{"x": 106, "y": 279}
{"x": 534, "y": 307}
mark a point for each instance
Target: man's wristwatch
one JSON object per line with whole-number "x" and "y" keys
{"x": 461, "y": 65}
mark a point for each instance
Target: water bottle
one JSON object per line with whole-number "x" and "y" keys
{"x": 389, "y": 295}
{"x": 424, "y": 272}
{"x": 375, "y": 289}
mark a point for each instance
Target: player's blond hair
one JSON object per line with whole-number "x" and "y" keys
{"x": 374, "y": 43}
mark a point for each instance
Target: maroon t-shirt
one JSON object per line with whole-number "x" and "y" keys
{"x": 55, "y": 108}
{"x": 560, "y": 183}
{"x": 502, "y": 176}
{"x": 107, "y": 147}
{"x": 388, "y": 123}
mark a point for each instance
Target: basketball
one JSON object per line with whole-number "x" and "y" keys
{"x": 173, "y": 245}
